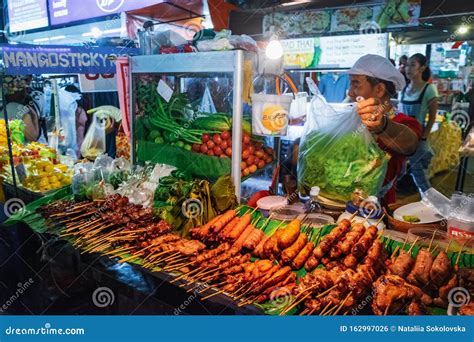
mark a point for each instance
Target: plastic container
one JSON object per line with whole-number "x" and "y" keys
{"x": 316, "y": 219}
{"x": 461, "y": 217}
{"x": 270, "y": 114}
{"x": 271, "y": 203}
{"x": 287, "y": 213}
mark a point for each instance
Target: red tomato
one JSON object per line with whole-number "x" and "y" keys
{"x": 246, "y": 171}
{"x": 246, "y": 139}
{"x": 229, "y": 142}
{"x": 205, "y": 138}
{"x": 225, "y": 135}
{"x": 258, "y": 145}
{"x": 217, "y": 139}
{"x": 259, "y": 154}
{"x": 210, "y": 153}
{"x": 210, "y": 144}
{"x": 261, "y": 164}
{"x": 250, "y": 160}
{"x": 228, "y": 151}
{"x": 196, "y": 147}
{"x": 217, "y": 150}
{"x": 256, "y": 160}
{"x": 268, "y": 159}
{"x": 243, "y": 165}
{"x": 253, "y": 168}
{"x": 223, "y": 144}
{"x": 245, "y": 154}
{"x": 251, "y": 149}
{"x": 203, "y": 148}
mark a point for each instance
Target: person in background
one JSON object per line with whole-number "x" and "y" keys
{"x": 402, "y": 62}
{"x": 374, "y": 81}
{"x": 417, "y": 99}
{"x": 334, "y": 87}
{"x": 81, "y": 117}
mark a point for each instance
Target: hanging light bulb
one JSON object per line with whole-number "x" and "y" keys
{"x": 463, "y": 29}
{"x": 274, "y": 49}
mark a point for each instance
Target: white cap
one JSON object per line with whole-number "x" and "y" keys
{"x": 378, "y": 67}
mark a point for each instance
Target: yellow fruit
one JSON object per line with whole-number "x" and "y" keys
{"x": 49, "y": 168}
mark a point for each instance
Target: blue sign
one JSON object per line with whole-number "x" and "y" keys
{"x": 28, "y": 59}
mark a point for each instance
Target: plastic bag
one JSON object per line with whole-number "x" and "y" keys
{"x": 94, "y": 141}
{"x": 207, "y": 104}
{"x": 337, "y": 153}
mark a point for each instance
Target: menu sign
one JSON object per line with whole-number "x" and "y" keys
{"x": 66, "y": 11}
{"x": 27, "y": 14}
{"x": 332, "y": 52}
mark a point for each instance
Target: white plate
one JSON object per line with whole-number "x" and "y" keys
{"x": 418, "y": 209}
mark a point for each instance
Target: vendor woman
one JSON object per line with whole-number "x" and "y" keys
{"x": 373, "y": 82}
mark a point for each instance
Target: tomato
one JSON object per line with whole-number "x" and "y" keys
{"x": 243, "y": 165}
{"x": 250, "y": 160}
{"x": 228, "y": 151}
{"x": 196, "y": 147}
{"x": 223, "y": 156}
{"x": 210, "y": 153}
{"x": 203, "y": 148}
{"x": 253, "y": 168}
{"x": 217, "y": 151}
{"x": 245, "y": 154}
{"x": 217, "y": 139}
{"x": 261, "y": 164}
{"x": 210, "y": 144}
{"x": 256, "y": 160}
{"x": 246, "y": 171}
{"x": 229, "y": 142}
{"x": 259, "y": 154}
{"x": 251, "y": 149}
{"x": 223, "y": 144}
{"x": 225, "y": 135}
{"x": 205, "y": 138}
{"x": 268, "y": 159}
{"x": 246, "y": 139}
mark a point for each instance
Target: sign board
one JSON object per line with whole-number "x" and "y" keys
{"x": 344, "y": 51}
{"x": 66, "y": 11}
{"x": 97, "y": 83}
{"x": 332, "y": 52}
{"x": 27, "y": 15}
{"x": 28, "y": 59}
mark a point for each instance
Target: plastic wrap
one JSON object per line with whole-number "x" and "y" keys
{"x": 338, "y": 154}
{"x": 94, "y": 141}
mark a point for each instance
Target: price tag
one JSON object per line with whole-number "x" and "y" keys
{"x": 164, "y": 90}
{"x": 21, "y": 172}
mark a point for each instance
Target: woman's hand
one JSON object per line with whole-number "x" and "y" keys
{"x": 373, "y": 113}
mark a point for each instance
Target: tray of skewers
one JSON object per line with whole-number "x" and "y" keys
{"x": 282, "y": 268}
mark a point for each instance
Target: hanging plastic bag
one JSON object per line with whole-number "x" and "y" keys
{"x": 337, "y": 153}
{"x": 207, "y": 104}
{"x": 94, "y": 141}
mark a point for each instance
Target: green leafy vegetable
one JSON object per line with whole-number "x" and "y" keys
{"x": 339, "y": 165}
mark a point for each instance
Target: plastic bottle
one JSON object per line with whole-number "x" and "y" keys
{"x": 314, "y": 205}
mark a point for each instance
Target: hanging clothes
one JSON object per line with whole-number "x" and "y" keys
{"x": 334, "y": 87}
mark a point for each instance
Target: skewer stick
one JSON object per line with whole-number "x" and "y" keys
{"x": 367, "y": 217}
{"x": 412, "y": 245}
{"x": 449, "y": 244}
{"x": 394, "y": 252}
{"x": 380, "y": 220}
{"x": 297, "y": 300}
{"x": 212, "y": 295}
{"x": 329, "y": 312}
{"x": 432, "y": 238}
{"x": 354, "y": 214}
{"x": 460, "y": 252}
{"x": 405, "y": 242}
{"x": 266, "y": 222}
{"x": 342, "y": 304}
{"x": 386, "y": 309}
{"x": 325, "y": 308}
{"x": 327, "y": 291}
{"x": 304, "y": 312}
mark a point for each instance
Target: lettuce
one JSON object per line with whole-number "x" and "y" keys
{"x": 339, "y": 165}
